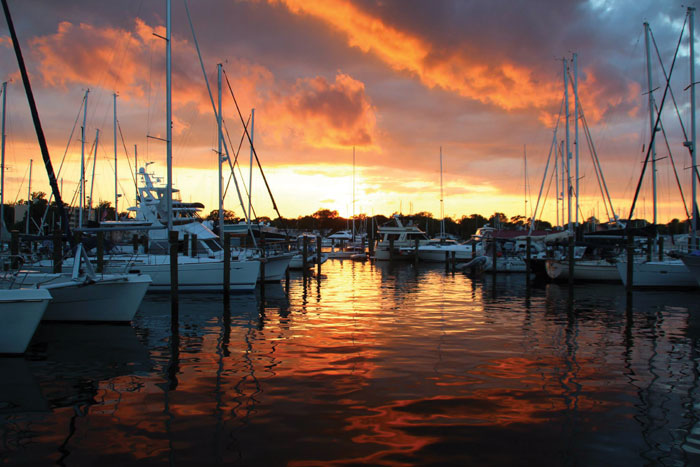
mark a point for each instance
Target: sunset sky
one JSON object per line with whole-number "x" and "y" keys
{"x": 396, "y": 79}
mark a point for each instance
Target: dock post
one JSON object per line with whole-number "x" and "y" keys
{"x": 473, "y": 249}
{"x": 528, "y": 257}
{"x": 227, "y": 264}
{"x": 318, "y": 253}
{"x": 630, "y": 262}
{"x": 661, "y": 248}
{"x": 650, "y": 243}
{"x": 186, "y": 244}
{"x": 391, "y": 249}
{"x": 14, "y": 249}
{"x": 454, "y": 261}
{"x": 370, "y": 240}
{"x": 135, "y": 243}
{"x": 144, "y": 242}
{"x": 174, "y": 310}
{"x": 571, "y": 261}
{"x": 57, "y": 251}
{"x": 304, "y": 254}
{"x": 263, "y": 260}
{"x": 100, "y": 252}
{"x": 193, "y": 247}
{"x": 494, "y": 257}
{"x": 415, "y": 250}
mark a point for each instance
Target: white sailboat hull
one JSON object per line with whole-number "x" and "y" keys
{"x": 199, "y": 274}
{"x": 594, "y": 270}
{"x": 693, "y": 264}
{"x": 21, "y": 311}
{"x": 437, "y": 254}
{"x": 658, "y": 274}
{"x": 276, "y": 267}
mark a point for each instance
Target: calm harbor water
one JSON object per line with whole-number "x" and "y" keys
{"x": 367, "y": 364}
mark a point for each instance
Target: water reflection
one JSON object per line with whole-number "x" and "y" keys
{"x": 369, "y": 363}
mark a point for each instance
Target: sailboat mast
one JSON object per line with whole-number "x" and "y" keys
{"x": 353, "y": 193}
{"x": 442, "y": 206}
{"x": 82, "y": 161}
{"x": 219, "y": 137}
{"x": 556, "y": 174}
{"x": 568, "y": 146}
{"x": 136, "y": 174}
{"x": 29, "y": 197}
{"x": 694, "y": 220}
{"x": 576, "y": 117}
{"x": 562, "y": 166}
{"x": 525, "y": 177}
{"x": 651, "y": 117}
{"x": 169, "y": 118}
{"x": 116, "y": 196}
{"x": 94, "y": 163}
{"x": 250, "y": 174}
{"x": 2, "y": 163}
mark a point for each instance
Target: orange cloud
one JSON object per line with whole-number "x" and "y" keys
{"x": 334, "y": 114}
{"x": 312, "y": 111}
{"x": 506, "y": 85}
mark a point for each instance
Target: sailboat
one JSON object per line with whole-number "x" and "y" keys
{"x": 20, "y": 313}
{"x": 86, "y": 293}
{"x": 671, "y": 273}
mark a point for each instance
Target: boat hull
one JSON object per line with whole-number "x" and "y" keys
{"x": 661, "y": 274}
{"x": 20, "y": 313}
{"x": 590, "y": 271}
{"x": 692, "y": 262}
{"x": 113, "y": 299}
{"x": 199, "y": 274}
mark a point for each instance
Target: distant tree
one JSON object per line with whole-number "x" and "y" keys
{"x": 229, "y": 216}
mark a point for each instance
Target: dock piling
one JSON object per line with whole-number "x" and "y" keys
{"x": 172, "y": 240}
{"x": 227, "y": 264}
{"x": 630, "y": 262}
{"x": 100, "y": 252}
{"x": 57, "y": 251}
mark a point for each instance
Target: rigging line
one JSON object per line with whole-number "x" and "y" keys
{"x": 587, "y": 130}
{"x": 673, "y": 164}
{"x": 19, "y": 190}
{"x": 235, "y": 159}
{"x": 128, "y": 159}
{"x": 252, "y": 146}
{"x": 544, "y": 176}
{"x": 60, "y": 167}
{"x": 216, "y": 113}
{"x": 675, "y": 104}
{"x": 598, "y": 170}
{"x": 658, "y": 118}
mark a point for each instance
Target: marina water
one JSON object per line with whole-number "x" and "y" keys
{"x": 385, "y": 364}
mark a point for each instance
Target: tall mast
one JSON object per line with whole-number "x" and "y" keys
{"x": 651, "y": 117}
{"x": 562, "y": 166}
{"x": 2, "y": 163}
{"x": 116, "y": 196}
{"x": 568, "y": 146}
{"x": 525, "y": 177}
{"x": 250, "y": 174}
{"x": 169, "y": 118}
{"x": 694, "y": 222}
{"x": 576, "y": 117}
{"x": 37, "y": 123}
{"x": 29, "y": 197}
{"x": 136, "y": 175}
{"x": 82, "y": 162}
{"x": 353, "y": 193}
{"x": 94, "y": 163}
{"x": 219, "y": 139}
{"x": 556, "y": 175}
{"x": 442, "y": 208}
